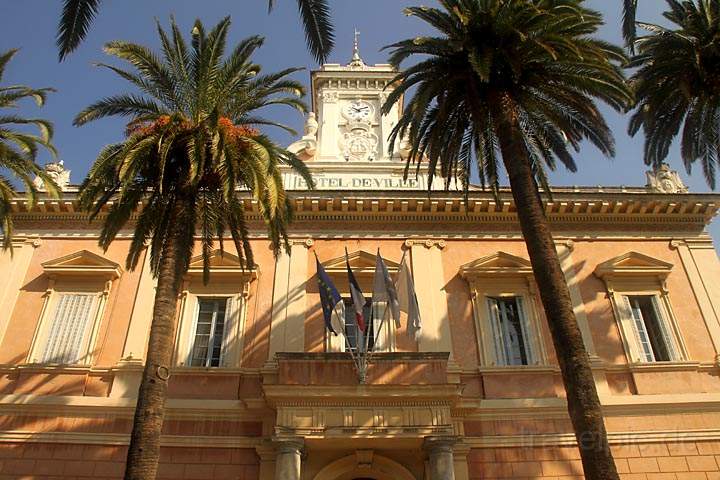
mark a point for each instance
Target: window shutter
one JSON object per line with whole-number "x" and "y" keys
{"x": 69, "y": 328}
{"x": 664, "y": 330}
{"x": 497, "y": 333}
{"x": 230, "y": 334}
{"x": 641, "y": 336}
{"x": 527, "y": 332}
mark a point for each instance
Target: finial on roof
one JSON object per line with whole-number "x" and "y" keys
{"x": 356, "y": 60}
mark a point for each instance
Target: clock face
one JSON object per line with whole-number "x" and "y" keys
{"x": 357, "y": 110}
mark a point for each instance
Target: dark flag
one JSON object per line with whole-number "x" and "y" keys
{"x": 329, "y": 296}
{"x": 358, "y": 299}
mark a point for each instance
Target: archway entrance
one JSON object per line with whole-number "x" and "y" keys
{"x": 364, "y": 465}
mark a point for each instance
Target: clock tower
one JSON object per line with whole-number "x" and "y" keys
{"x": 346, "y": 136}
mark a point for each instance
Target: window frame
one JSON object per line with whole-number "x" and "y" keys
{"x": 233, "y": 336}
{"x": 228, "y": 279}
{"x": 628, "y": 329}
{"x": 636, "y": 274}
{"x": 502, "y": 275}
{"x": 499, "y": 339}
{"x": 53, "y": 296}
{"x": 227, "y": 321}
{"x": 81, "y": 272}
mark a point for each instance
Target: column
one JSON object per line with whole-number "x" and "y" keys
{"x": 441, "y": 464}
{"x": 429, "y": 278}
{"x": 287, "y": 329}
{"x": 288, "y": 460}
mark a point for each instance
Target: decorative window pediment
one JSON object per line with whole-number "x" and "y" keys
{"x": 499, "y": 263}
{"x": 361, "y": 262}
{"x": 633, "y": 264}
{"x": 82, "y": 263}
{"x": 221, "y": 263}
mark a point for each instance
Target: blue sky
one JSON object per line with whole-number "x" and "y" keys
{"x": 31, "y": 24}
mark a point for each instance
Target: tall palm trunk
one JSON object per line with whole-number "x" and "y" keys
{"x": 144, "y": 452}
{"x": 582, "y": 399}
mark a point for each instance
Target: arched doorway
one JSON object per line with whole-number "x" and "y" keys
{"x": 364, "y": 465}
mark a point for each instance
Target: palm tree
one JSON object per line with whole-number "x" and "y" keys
{"x": 190, "y": 147}
{"x": 677, "y": 86}
{"x": 77, "y": 16}
{"x": 18, "y": 150}
{"x": 519, "y": 77}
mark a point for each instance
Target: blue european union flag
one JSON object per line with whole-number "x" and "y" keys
{"x": 329, "y": 296}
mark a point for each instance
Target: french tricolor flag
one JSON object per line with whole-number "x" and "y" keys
{"x": 358, "y": 299}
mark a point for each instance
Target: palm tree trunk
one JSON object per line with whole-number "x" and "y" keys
{"x": 144, "y": 451}
{"x": 582, "y": 399}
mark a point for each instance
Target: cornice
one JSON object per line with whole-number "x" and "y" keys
{"x": 593, "y": 208}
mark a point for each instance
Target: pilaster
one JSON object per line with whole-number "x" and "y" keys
{"x": 14, "y": 266}
{"x": 700, "y": 261}
{"x": 142, "y": 312}
{"x": 564, "y": 251}
{"x": 287, "y": 329}
{"x": 266, "y": 454}
{"x": 426, "y": 258}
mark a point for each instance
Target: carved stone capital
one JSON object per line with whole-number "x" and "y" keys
{"x": 439, "y": 444}
{"x": 293, "y": 445}
{"x": 675, "y": 244}
{"x": 427, "y": 243}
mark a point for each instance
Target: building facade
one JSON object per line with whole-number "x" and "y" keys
{"x": 259, "y": 390}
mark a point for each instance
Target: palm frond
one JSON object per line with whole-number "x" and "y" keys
{"x": 77, "y": 15}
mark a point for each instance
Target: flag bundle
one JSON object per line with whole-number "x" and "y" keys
{"x": 399, "y": 296}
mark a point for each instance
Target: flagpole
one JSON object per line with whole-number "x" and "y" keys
{"x": 382, "y": 322}
{"x": 343, "y": 331}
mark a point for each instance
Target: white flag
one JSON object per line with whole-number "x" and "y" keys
{"x": 407, "y": 298}
{"x": 384, "y": 289}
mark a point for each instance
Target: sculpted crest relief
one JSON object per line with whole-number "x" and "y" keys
{"x": 664, "y": 180}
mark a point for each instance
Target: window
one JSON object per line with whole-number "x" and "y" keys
{"x": 353, "y": 334}
{"x": 70, "y": 329}
{"x": 207, "y": 342}
{"x": 650, "y": 328}
{"x": 510, "y": 330}
{"x": 211, "y": 320}
{"x": 78, "y": 289}
{"x": 503, "y": 295}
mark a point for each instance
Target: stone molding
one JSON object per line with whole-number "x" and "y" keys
{"x": 427, "y": 243}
